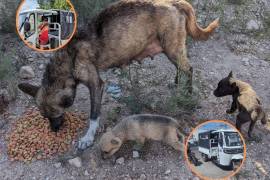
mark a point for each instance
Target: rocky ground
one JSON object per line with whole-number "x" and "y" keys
{"x": 211, "y": 60}
{"x": 241, "y": 45}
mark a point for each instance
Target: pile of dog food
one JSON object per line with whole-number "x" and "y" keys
{"x": 32, "y": 138}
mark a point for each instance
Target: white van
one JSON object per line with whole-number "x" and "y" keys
{"x": 224, "y": 147}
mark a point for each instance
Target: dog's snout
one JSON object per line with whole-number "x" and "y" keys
{"x": 216, "y": 93}
{"x": 56, "y": 123}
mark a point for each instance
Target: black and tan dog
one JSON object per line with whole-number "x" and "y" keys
{"x": 140, "y": 128}
{"x": 245, "y": 100}
{"x": 125, "y": 31}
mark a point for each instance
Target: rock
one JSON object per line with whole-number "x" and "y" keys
{"x": 120, "y": 160}
{"x": 41, "y": 66}
{"x": 57, "y": 165}
{"x": 253, "y": 25}
{"x": 196, "y": 178}
{"x": 245, "y": 61}
{"x": 135, "y": 154}
{"x": 31, "y": 59}
{"x": 114, "y": 90}
{"x": 74, "y": 173}
{"x": 117, "y": 71}
{"x": 46, "y": 55}
{"x": 142, "y": 177}
{"x": 86, "y": 173}
{"x": 26, "y": 72}
{"x": 167, "y": 172}
{"x": 77, "y": 162}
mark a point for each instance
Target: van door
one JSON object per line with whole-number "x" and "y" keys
{"x": 220, "y": 146}
{"x": 30, "y": 36}
{"x": 214, "y": 145}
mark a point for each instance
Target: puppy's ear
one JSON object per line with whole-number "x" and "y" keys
{"x": 230, "y": 74}
{"x": 234, "y": 85}
{"x": 115, "y": 141}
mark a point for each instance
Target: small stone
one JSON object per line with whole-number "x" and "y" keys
{"x": 117, "y": 71}
{"x": 142, "y": 177}
{"x": 57, "y": 165}
{"x": 77, "y": 162}
{"x": 31, "y": 59}
{"x": 167, "y": 172}
{"x": 41, "y": 67}
{"x": 86, "y": 173}
{"x": 74, "y": 173}
{"x": 120, "y": 160}
{"x": 26, "y": 72}
{"x": 253, "y": 25}
{"x": 135, "y": 154}
{"x": 245, "y": 61}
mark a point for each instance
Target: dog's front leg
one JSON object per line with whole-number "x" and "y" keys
{"x": 233, "y": 106}
{"x": 95, "y": 85}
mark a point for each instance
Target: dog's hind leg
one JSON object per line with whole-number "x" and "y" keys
{"x": 242, "y": 118}
{"x": 253, "y": 119}
{"x": 174, "y": 141}
{"x": 92, "y": 80}
{"x": 175, "y": 49}
{"x": 177, "y": 145}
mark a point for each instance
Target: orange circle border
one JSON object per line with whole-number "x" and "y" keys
{"x": 50, "y": 50}
{"x": 196, "y": 128}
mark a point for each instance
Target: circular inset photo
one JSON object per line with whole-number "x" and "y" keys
{"x": 46, "y": 25}
{"x": 215, "y": 150}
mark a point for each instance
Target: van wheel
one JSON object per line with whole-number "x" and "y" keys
{"x": 204, "y": 157}
{"x": 234, "y": 166}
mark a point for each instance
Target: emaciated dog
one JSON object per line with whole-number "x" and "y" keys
{"x": 245, "y": 100}
{"x": 140, "y": 128}
{"x": 125, "y": 31}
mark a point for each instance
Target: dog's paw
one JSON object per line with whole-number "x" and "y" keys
{"x": 85, "y": 142}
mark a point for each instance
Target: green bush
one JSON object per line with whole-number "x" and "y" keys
{"x": 6, "y": 67}
{"x": 86, "y": 9}
{"x": 7, "y": 77}
{"x": 54, "y": 4}
{"x": 8, "y": 15}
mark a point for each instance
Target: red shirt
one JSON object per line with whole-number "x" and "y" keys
{"x": 44, "y": 35}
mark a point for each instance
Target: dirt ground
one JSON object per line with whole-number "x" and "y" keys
{"x": 209, "y": 168}
{"x": 211, "y": 61}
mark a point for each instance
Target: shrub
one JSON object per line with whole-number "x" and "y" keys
{"x": 8, "y": 14}
{"x": 86, "y": 9}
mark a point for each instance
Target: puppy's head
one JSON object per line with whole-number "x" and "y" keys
{"x": 109, "y": 144}
{"x": 225, "y": 87}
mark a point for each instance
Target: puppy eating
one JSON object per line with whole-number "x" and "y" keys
{"x": 140, "y": 128}
{"x": 245, "y": 100}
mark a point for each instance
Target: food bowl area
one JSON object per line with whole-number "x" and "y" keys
{"x": 31, "y": 137}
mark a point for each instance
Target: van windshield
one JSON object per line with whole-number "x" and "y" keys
{"x": 22, "y": 19}
{"x": 232, "y": 139}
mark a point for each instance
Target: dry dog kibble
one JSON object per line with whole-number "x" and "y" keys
{"x": 31, "y": 137}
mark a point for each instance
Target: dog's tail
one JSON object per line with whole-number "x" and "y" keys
{"x": 194, "y": 30}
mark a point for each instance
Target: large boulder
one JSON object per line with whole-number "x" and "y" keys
{"x": 26, "y": 72}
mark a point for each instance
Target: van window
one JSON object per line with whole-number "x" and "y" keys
{"x": 32, "y": 22}
{"x": 232, "y": 139}
{"x": 204, "y": 136}
{"x": 220, "y": 139}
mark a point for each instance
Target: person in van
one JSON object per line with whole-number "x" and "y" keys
{"x": 44, "y": 31}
